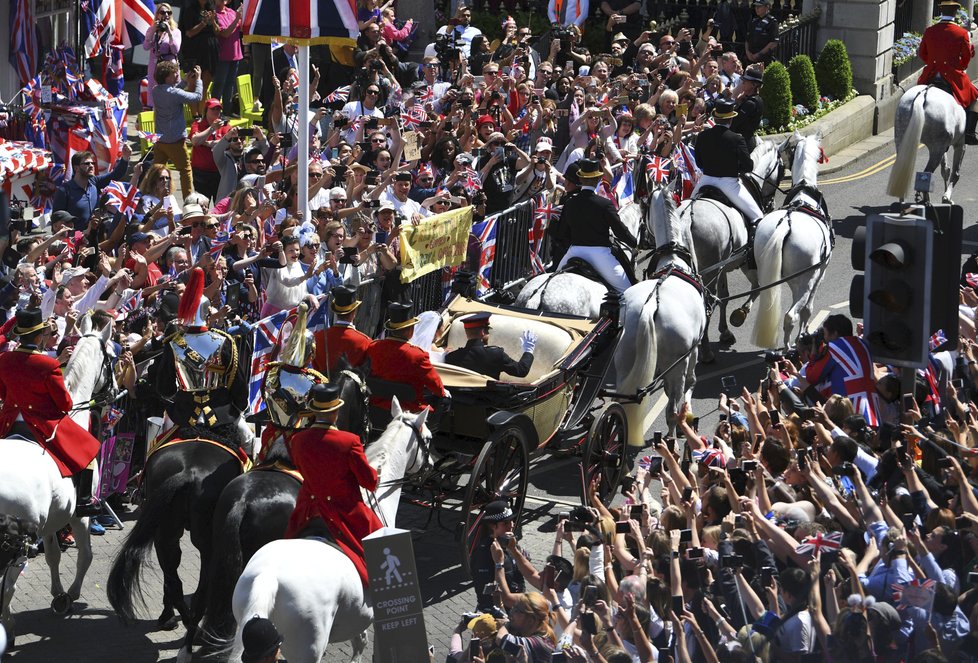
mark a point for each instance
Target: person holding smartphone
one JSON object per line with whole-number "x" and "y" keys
{"x": 488, "y": 565}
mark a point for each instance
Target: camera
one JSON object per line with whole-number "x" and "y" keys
{"x": 349, "y": 256}
{"x": 376, "y": 65}
{"x": 767, "y": 574}
{"x": 446, "y": 47}
{"x": 285, "y": 141}
{"x": 749, "y": 465}
{"x": 341, "y": 122}
{"x": 846, "y": 469}
{"x": 773, "y": 358}
{"x": 732, "y": 561}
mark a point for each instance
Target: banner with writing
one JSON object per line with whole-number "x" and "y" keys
{"x": 438, "y": 241}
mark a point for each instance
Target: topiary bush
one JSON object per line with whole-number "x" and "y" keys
{"x": 804, "y": 87}
{"x": 776, "y": 94}
{"x": 833, "y": 71}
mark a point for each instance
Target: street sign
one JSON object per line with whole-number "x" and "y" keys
{"x": 399, "y": 633}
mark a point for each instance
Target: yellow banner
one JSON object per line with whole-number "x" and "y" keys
{"x": 438, "y": 241}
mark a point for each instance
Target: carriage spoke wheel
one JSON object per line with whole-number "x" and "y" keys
{"x": 500, "y": 472}
{"x": 604, "y": 451}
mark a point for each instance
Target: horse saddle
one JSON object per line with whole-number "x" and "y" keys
{"x": 21, "y": 429}
{"x": 582, "y": 267}
{"x": 713, "y": 193}
{"x": 941, "y": 84}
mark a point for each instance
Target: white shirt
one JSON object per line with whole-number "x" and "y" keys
{"x": 352, "y": 110}
{"x": 464, "y": 36}
{"x": 407, "y": 209}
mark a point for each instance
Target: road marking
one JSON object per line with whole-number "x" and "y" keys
{"x": 817, "y": 319}
{"x": 658, "y": 407}
{"x": 872, "y": 170}
{"x": 839, "y": 305}
{"x": 551, "y": 500}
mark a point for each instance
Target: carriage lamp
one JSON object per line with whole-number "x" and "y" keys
{"x": 611, "y": 306}
{"x": 464, "y": 284}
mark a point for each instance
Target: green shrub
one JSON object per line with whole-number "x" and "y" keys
{"x": 776, "y": 94}
{"x": 804, "y": 87}
{"x": 833, "y": 71}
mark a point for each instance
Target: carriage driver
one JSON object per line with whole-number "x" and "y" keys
{"x": 723, "y": 156}
{"x": 33, "y": 391}
{"x": 491, "y": 360}
{"x": 334, "y": 468}
{"x": 589, "y": 223}
{"x": 946, "y": 50}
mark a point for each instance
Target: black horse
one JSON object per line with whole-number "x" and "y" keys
{"x": 182, "y": 482}
{"x": 254, "y": 509}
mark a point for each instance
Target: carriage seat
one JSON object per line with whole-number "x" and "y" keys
{"x": 552, "y": 343}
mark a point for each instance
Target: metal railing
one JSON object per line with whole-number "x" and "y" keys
{"x": 798, "y": 36}
{"x": 903, "y": 20}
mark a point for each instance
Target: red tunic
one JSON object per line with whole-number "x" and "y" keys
{"x": 399, "y": 361}
{"x": 337, "y": 341}
{"x": 946, "y": 49}
{"x": 334, "y": 467}
{"x": 32, "y": 386}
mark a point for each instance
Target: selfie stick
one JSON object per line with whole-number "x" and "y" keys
{"x": 743, "y": 612}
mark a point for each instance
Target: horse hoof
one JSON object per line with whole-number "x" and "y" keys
{"x": 727, "y": 338}
{"x": 165, "y": 623}
{"x": 737, "y": 318}
{"x": 61, "y": 604}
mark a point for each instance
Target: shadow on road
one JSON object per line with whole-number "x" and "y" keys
{"x": 96, "y": 634}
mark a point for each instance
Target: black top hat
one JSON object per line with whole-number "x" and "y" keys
{"x": 344, "y": 299}
{"x": 723, "y": 109}
{"x": 570, "y": 174}
{"x": 29, "y": 320}
{"x": 399, "y": 316}
{"x": 588, "y": 169}
{"x": 260, "y": 639}
{"x": 325, "y": 397}
{"x": 561, "y": 565}
{"x": 498, "y": 511}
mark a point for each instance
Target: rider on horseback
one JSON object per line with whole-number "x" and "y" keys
{"x": 335, "y": 467}
{"x": 946, "y": 49}
{"x": 723, "y": 156}
{"x": 33, "y": 391}
{"x": 589, "y": 223}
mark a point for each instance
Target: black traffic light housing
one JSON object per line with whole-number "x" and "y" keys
{"x": 947, "y": 221}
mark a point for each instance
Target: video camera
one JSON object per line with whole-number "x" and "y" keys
{"x": 446, "y": 47}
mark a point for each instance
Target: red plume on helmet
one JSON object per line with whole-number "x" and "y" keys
{"x": 190, "y": 300}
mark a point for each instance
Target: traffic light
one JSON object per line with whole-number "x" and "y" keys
{"x": 947, "y": 222}
{"x": 898, "y": 259}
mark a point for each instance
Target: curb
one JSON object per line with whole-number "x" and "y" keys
{"x": 845, "y": 157}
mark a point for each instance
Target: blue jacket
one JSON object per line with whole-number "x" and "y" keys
{"x": 80, "y": 202}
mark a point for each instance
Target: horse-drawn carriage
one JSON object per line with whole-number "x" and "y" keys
{"x": 490, "y": 428}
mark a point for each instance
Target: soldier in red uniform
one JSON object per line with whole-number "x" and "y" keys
{"x": 946, "y": 49}
{"x": 342, "y": 338}
{"x": 334, "y": 468}
{"x": 33, "y": 390}
{"x": 396, "y": 360}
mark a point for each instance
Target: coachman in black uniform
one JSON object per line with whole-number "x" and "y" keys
{"x": 750, "y": 106}
{"x": 491, "y": 360}
{"x": 589, "y": 223}
{"x": 762, "y": 33}
{"x": 723, "y": 155}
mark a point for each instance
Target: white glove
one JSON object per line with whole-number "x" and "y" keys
{"x": 528, "y": 340}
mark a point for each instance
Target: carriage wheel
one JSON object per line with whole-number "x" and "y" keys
{"x": 604, "y": 451}
{"x": 500, "y": 472}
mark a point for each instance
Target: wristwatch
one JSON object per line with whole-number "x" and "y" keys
{"x": 500, "y": 565}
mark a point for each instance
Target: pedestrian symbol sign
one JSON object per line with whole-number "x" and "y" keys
{"x": 399, "y": 633}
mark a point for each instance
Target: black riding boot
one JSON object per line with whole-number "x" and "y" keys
{"x": 85, "y": 503}
{"x": 970, "y": 138}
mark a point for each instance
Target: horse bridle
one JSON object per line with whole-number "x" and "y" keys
{"x": 103, "y": 382}
{"x": 766, "y": 184}
{"x": 365, "y": 395}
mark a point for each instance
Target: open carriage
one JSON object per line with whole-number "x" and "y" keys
{"x": 490, "y": 429}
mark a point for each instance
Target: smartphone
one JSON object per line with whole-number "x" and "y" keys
{"x": 728, "y": 383}
{"x": 758, "y": 439}
{"x": 695, "y": 553}
{"x": 685, "y": 535}
{"x": 556, "y": 656}
{"x": 380, "y": 237}
{"x": 590, "y": 595}
{"x": 682, "y": 109}
{"x": 775, "y": 418}
{"x": 767, "y": 575}
{"x": 957, "y": 383}
{"x": 695, "y": 423}
{"x": 723, "y": 417}
{"x": 636, "y": 511}
{"x": 489, "y": 589}
{"x": 655, "y": 466}
{"x": 749, "y": 465}
{"x": 687, "y": 494}
{"x": 232, "y": 296}
{"x": 802, "y": 459}
{"x": 677, "y": 605}
{"x": 574, "y": 526}
{"x": 657, "y": 437}
{"x": 475, "y": 647}
{"x": 944, "y": 462}
{"x": 622, "y": 527}
{"x": 908, "y": 402}
{"x": 588, "y": 624}
{"x": 548, "y": 575}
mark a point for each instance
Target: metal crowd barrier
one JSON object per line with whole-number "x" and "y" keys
{"x": 511, "y": 261}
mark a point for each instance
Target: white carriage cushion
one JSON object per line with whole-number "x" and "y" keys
{"x": 552, "y": 343}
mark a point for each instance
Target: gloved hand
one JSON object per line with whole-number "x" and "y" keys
{"x": 528, "y": 341}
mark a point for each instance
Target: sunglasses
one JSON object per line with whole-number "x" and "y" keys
{"x": 236, "y": 139}
{"x": 315, "y": 175}
{"x": 210, "y": 226}
{"x": 373, "y": 91}
{"x": 164, "y": 179}
{"x": 166, "y": 13}
{"x": 378, "y": 140}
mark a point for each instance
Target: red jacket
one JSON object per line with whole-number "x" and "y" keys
{"x": 334, "y": 468}
{"x": 336, "y": 341}
{"x": 399, "y": 361}
{"x": 946, "y": 50}
{"x": 31, "y": 385}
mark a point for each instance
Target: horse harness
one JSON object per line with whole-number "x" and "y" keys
{"x": 282, "y": 468}
{"x": 688, "y": 275}
{"x": 240, "y": 455}
{"x": 818, "y": 211}
{"x": 365, "y": 394}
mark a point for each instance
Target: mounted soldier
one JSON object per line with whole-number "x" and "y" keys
{"x": 946, "y": 50}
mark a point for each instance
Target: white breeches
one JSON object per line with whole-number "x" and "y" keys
{"x": 734, "y": 189}
{"x": 601, "y": 258}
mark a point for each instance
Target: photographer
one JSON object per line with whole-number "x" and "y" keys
{"x": 497, "y": 524}
{"x": 163, "y": 40}
{"x": 79, "y": 196}
{"x": 497, "y": 169}
{"x": 235, "y": 161}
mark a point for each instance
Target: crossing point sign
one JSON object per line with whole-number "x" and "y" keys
{"x": 399, "y": 634}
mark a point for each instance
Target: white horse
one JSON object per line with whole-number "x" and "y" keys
{"x": 928, "y": 114}
{"x": 663, "y": 318}
{"x": 720, "y": 233}
{"x": 33, "y": 490}
{"x": 311, "y": 590}
{"x": 795, "y": 238}
{"x": 570, "y": 293}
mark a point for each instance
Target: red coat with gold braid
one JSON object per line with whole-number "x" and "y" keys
{"x": 32, "y": 386}
{"x": 946, "y": 49}
{"x": 338, "y": 340}
{"x": 399, "y": 361}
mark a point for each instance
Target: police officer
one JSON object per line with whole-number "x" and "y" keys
{"x": 946, "y": 49}
{"x": 750, "y": 106}
{"x": 589, "y": 223}
{"x": 491, "y": 360}
{"x": 723, "y": 156}
{"x": 497, "y": 525}
{"x": 762, "y": 33}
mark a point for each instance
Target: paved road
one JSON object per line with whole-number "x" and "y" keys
{"x": 93, "y": 633}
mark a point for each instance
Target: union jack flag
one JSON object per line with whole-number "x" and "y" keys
{"x": 319, "y": 319}
{"x": 486, "y": 233}
{"x": 267, "y": 331}
{"x": 217, "y": 246}
{"x": 113, "y": 70}
{"x": 624, "y": 191}
{"x": 23, "y": 50}
{"x": 116, "y": 21}
{"x": 852, "y": 376}
{"x": 543, "y": 212}
{"x": 131, "y": 304}
{"x": 899, "y": 587}
{"x": 112, "y": 417}
{"x": 937, "y": 340}
{"x": 971, "y": 279}
{"x": 472, "y": 180}
{"x": 148, "y": 136}
{"x": 710, "y": 458}
{"x": 270, "y": 234}
{"x": 122, "y": 197}
{"x": 414, "y": 117}
{"x": 820, "y": 543}
{"x": 684, "y": 157}
{"x": 658, "y": 168}
{"x": 340, "y": 94}
{"x": 427, "y": 96}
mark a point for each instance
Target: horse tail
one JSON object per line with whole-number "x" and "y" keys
{"x": 906, "y": 156}
{"x": 124, "y": 582}
{"x": 258, "y": 593}
{"x": 769, "y": 261}
{"x": 640, "y": 336}
{"x": 226, "y": 565}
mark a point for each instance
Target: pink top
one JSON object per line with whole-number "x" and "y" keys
{"x": 392, "y": 34}
{"x": 228, "y": 48}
